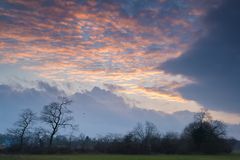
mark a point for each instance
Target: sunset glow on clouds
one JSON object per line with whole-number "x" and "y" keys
{"x": 115, "y": 45}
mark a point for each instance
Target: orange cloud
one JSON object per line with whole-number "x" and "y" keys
{"x": 94, "y": 44}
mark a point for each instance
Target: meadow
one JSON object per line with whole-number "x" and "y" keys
{"x": 120, "y": 157}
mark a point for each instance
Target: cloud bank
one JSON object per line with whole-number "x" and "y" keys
{"x": 98, "y": 112}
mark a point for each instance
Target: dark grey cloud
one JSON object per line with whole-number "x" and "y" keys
{"x": 214, "y": 61}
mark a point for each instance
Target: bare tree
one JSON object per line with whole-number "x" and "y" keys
{"x": 57, "y": 116}
{"x": 145, "y": 131}
{"x": 203, "y": 116}
{"x": 145, "y": 134}
{"x": 219, "y": 128}
{"x": 205, "y": 134}
{"x": 22, "y": 125}
{"x": 138, "y": 132}
{"x": 151, "y": 132}
{"x": 39, "y": 137}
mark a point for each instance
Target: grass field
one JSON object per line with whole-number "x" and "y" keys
{"x": 120, "y": 157}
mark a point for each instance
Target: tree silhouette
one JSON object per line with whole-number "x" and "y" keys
{"x": 26, "y": 119}
{"x": 205, "y": 135}
{"x": 57, "y": 116}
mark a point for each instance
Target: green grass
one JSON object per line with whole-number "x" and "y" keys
{"x": 120, "y": 157}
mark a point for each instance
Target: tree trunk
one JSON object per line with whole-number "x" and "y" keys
{"x": 21, "y": 143}
{"x": 51, "y": 137}
{"x": 51, "y": 140}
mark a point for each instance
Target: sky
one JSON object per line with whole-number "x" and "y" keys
{"x": 166, "y": 56}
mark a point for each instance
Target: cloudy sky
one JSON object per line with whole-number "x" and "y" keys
{"x": 163, "y": 55}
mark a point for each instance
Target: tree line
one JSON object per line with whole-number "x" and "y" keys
{"x": 203, "y": 135}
